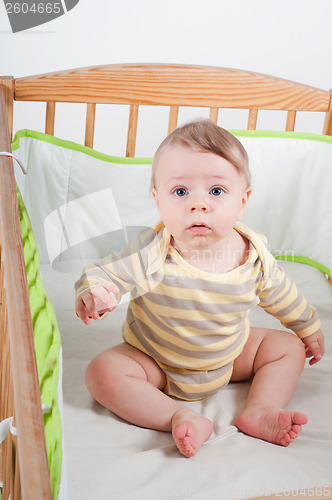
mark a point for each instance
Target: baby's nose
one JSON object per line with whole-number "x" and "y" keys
{"x": 198, "y": 205}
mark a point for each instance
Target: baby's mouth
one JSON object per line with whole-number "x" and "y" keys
{"x": 199, "y": 228}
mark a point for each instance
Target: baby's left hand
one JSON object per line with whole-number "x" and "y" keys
{"x": 314, "y": 346}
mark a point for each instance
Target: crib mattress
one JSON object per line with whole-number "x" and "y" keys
{"x": 107, "y": 458}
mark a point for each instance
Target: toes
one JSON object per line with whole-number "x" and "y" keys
{"x": 279, "y": 427}
{"x": 297, "y": 428}
{"x": 187, "y": 448}
{"x": 190, "y": 434}
{"x": 180, "y": 431}
{"x": 295, "y": 431}
{"x": 285, "y": 440}
{"x": 299, "y": 418}
{"x": 293, "y": 434}
{"x": 183, "y": 439}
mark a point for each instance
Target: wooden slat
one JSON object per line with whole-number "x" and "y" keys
{"x": 6, "y": 386}
{"x": 17, "y": 481}
{"x": 50, "y": 118}
{"x": 328, "y": 118}
{"x": 33, "y": 463}
{"x": 290, "y": 123}
{"x": 173, "y": 118}
{"x": 252, "y": 120}
{"x": 172, "y": 85}
{"x": 90, "y": 124}
{"x": 132, "y": 130}
{"x": 6, "y": 392}
{"x": 214, "y": 115}
{"x": 7, "y": 83}
{"x": 10, "y": 467}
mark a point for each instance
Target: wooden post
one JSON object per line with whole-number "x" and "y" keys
{"x": 25, "y": 392}
{"x": 90, "y": 124}
{"x": 252, "y": 120}
{"x": 173, "y": 118}
{"x": 214, "y": 115}
{"x": 8, "y": 84}
{"x": 328, "y": 119}
{"x": 290, "y": 123}
{"x": 132, "y": 130}
{"x": 50, "y": 118}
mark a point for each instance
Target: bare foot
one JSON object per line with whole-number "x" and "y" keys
{"x": 271, "y": 424}
{"x": 190, "y": 430}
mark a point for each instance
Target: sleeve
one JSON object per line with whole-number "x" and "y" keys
{"x": 111, "y": 269}
{"x": 127, "y": 269}
{"x": 281, "y": 298}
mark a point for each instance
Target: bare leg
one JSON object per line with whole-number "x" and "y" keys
{"x": 129, "y": 383}
{"x": 276, "y": 360}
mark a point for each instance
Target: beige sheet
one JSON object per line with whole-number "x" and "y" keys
{"x": 108, "y": 458}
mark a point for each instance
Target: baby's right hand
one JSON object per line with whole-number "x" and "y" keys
{"x": 95, "y": 301}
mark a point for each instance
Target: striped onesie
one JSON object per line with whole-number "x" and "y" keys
{"x": 194, "y": 323}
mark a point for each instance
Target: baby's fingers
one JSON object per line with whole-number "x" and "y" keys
{"x": 96, "y": 301}
{"x": 81, "y": 311}
{"x": 314, "y": 351}
{"x": 100, "y": 300}
{"x": 108, "y": 301}
{"x": 90, "y": 301}
{"x": 111, "y": 287}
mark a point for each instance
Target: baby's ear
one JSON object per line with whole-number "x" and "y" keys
{"x": 155, "y": 195}
{"x": 247, "y": 194}
{"x": 244, "y": 202}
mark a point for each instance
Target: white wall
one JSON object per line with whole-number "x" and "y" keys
{"x": 286, "y": 38}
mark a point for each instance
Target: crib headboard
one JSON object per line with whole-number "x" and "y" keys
{"x": 135, "y": 85}
{"x": 166, "y": 85}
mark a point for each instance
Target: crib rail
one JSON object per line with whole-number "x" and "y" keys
{"x": 24, "y": 464}
{"x": 174, "y": 86}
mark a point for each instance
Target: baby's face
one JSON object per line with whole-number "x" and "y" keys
{"x": 200, "y": 197}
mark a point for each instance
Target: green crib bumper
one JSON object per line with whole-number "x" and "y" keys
{"x": 47, "y": 346}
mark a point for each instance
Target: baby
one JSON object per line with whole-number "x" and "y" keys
{"x": 193, "y": 281}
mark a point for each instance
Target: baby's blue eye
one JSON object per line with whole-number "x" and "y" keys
{"x": 180, "y": 192}
{"x": 217, "y": 191}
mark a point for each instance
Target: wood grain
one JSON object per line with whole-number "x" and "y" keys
{"x": 172, "y": 85}
{"x": 132, "y": 130}
{"x": 252, "y": 119}
{"x": 50, "y": 118}
{"x": 290, "y": 123}
{"x": 328, "y": 119}
{"x": 7, "y": 83}
{"x": 213, "y": 116}
{"x": 90, "y": 124}
{"x": 33, "y": 463}
{"x": 173, "y": 118}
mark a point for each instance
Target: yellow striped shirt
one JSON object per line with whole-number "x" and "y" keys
{"x": 190, "y": 320}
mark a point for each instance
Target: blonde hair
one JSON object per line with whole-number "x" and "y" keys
{"x": 205, "y": 137}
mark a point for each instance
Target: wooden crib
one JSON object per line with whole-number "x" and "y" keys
{"x": 24, "y": 467}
